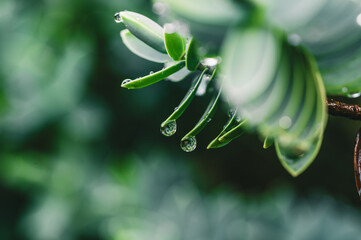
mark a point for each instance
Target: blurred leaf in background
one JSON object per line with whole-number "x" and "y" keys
{"x": 75, "y": 158}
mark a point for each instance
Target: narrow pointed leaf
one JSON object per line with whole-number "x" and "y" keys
{"x": 217, "y": 143}
{"x": 234, "y": 133}
{"x": 267, "y": 142}
{"x": 205, "y": 119}
{"x": 185, "y": 102}
{"x": 152, "y": 78}
{"x": 192, "y": 58}
{"x": 141, "y": 49}
{"x": 145, "y": 29}
{"x": 174, "y": 43}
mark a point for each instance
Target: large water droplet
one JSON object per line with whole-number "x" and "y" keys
{"x": 358, "y": 19}
{"x": 169, "y": 129}
{"x": 354, "y": 95}
{"x": 285, "y": 122}
{"x": 188, "y": 144}
{"x": 118, "y": 18}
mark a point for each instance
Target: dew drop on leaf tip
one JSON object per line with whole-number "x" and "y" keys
{"x": 118, "y": 18}
{"x": 169, "y": 129}
{"x": 188, "y": 144}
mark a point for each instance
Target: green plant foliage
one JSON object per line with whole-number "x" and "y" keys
{"x": 192, "y": 59}
{"x": 143, "y": 28}
{"x": 174, "y": 43}
{"x": 153, "y": 77}
{"x": 185, "y": 102}
{"x": 204, "y": 120}
{"x": 330, "y": 30}
{"x": 141, "y": 49}
{"x": 269, "y": 68}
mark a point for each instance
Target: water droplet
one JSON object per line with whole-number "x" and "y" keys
{"x": 188, "y": 144}
{"x": 358, "y": 19}
{"x": 118, "y": 18}
{"x": 176, "y": 108}
{"x": 344, "y": 89}
{"x": 209, "y": 119}
{"x": 126, "y": 81}
{"x": 354, "y": 95}
{"x": 294, "y": 39}
{"x": 169, "y": 129}
{"x": 285, "y": 122}
{"x": 151, "y": 72}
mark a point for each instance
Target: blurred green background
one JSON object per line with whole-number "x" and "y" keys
{"x": 82, "y": 158}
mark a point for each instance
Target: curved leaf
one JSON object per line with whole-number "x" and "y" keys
{"x": 144, "y": 29}
{"x": 186, "y": 101}
{"x": 217, "y": 143}
{"x": 152, "y": 78}
{"x": 277, "y": 88}
{"x": 141, "y": 49}
{"x": 296, "y": 164}
{"x": 205, "y": 119}
{"x": 331, "y": 31}
{"x": 192, "y": 58}
{"x": 174, "y": 43}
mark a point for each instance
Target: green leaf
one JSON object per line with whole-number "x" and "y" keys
{"x": 192, "y": 58}
{"x": 174, "y": 43}
{"x": 234, "y": 133}
{"x": 145, "y": 29}
{"x": 152, "y": 78}
{"x": 295, "y": 164}
{"x": 205, "y": 119}
{"x": 185, "y": 102}
{"x": 141, "y": 49}
{"x": 217, "y": 143}
{"x": 277, "y": 88}
{"x": 267, "y": 142}
{"x": 329, "y": 29}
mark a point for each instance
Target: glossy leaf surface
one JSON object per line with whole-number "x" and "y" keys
{"x": 174, "y": 43}
{"x": 152, "y": 78}
{"x": 141, "y": 49}
{"x": 144, "y": 29}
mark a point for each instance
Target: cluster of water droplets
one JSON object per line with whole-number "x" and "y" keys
{"x": 188, "y": 144}
{"x": 118, "y": 17}
{"x": 169, "y": 128}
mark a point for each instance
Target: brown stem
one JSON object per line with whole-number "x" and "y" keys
{"x": 341, "y": 109}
